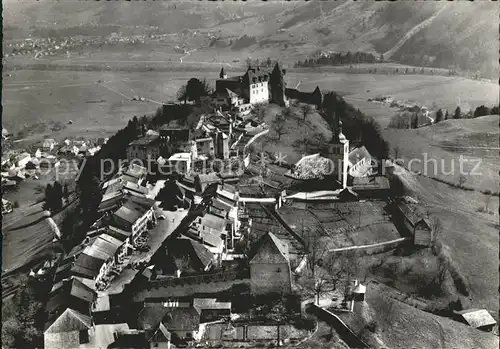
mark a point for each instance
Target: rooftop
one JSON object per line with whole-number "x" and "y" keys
{"x": 180, "y": 157}
{"x": 477, "y": 317}
{"x": 147, "y": 140}
{"x": 372, "y": 182}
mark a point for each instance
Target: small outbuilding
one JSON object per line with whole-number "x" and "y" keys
{"x": 477, "y": 318}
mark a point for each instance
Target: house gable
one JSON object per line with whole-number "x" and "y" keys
{"x": 271, "y": 250}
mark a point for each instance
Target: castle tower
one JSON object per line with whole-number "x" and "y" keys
{"x": 277, "y": 85}
{"x": 222, "y": 74}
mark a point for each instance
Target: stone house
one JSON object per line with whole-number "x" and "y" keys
{"x": 270, "y": 267}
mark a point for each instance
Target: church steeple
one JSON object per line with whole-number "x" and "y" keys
{"x": 222, "y": 74}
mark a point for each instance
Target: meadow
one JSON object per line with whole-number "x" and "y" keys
{"x": 101, "y": 101}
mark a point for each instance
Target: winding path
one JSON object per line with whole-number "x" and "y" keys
{"x": 414, "y": 31}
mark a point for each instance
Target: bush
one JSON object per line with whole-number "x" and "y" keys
{"x": 305, "y": 323}
{"x": 372, "y": 326}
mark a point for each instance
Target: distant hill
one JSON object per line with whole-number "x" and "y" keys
{"x": 439, "y": 34}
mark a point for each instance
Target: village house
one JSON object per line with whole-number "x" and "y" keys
{"x": 373, "y": 187}
{"x": 48, "y": 145}
{"x": 69, "y": 320}
{"x": 186, "y": 256}
{"x": 205, "y": 147}
{"x": 22, "y": 159}
{"x": 137, "y": 339}
{"x": 203, "y": 181}
{"x": 175, "y": 131}
{"x": 410, "y": 218}
{"x": 270, "y": 267}
{"x": 134, "y": 216}
{"x": 211, "y": 231}
{"x": 144, "y": 149}
{"x": 177, "y": 163}
{"x": 182, "y": 322}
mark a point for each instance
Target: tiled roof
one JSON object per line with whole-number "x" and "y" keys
{"x": 211, "y": 221}
{"x": 221, "y": 205}
{"x": 150, "y": 316}
{"x": 70, "y": 293}
{"x": 127, "y": 214}
{"x": 209, "y": 178}
{"x": 103, "y": 247}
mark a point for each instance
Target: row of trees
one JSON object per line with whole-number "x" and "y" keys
{"x": 482, "y": 110}
{"x": 338, "y": 59}
{"x": 356, "y": 126}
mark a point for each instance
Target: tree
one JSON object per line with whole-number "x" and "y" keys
{"x": 195, "y": 89}
{"x": 437, "y": 229}
{"x": 396, "y": 152}
{"x": 414, "y": 121}
{"x": 458, "y": 113}
{"x": 495, "y": 110}
{"x": 57, "y": 193}
{"x": 439, "y": 116}
{"x": 446, "y": 115}
{"x": 48, "y": 197}
{"x": 306, "y": 109}
{"x": 278, "y": 314}
{"x": 315, "y": 249}
{"x": 182, "y": 94}
{"x": 279, "y": 125}
{"x": 90, "y": 196}
{"x": 481, "y": 111}
{"x": 487, "y": 200}
{"x": 461, "y": 180}
{"x": 65, "y": 191}
{"x": 259, "y": 110}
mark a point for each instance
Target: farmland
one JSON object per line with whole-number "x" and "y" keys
{"x": 34, "y": 97}
{"x": 345, "y": 224}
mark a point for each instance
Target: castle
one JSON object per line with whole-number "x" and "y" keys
{"x": 256, "y": 86}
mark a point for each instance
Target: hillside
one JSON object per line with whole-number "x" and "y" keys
{"x": 425, "y": 33}
{"x": 409, "y": 325}
{"x": 476, "y": 140}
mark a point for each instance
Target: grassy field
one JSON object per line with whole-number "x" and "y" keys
{"x": 467, "y": 232}
{"x": 33, "y": 96}
{"x": 398, "y": 324}
{"x": 446, "y": 142}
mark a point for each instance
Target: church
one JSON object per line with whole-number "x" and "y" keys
{"x": 257, "y": 86}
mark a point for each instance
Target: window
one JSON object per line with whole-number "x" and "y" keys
{"x": 84, "y": 337}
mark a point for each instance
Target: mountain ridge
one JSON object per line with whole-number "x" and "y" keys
{"x": 460, "y": 35}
